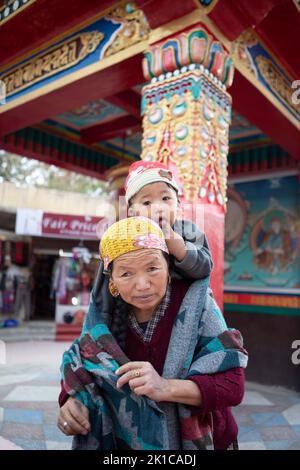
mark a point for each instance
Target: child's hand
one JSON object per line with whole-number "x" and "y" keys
{"x": 166, "y": 228}
{"x": 174, "y": 241}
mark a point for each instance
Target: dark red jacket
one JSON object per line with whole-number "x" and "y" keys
{"x": 218, "y": 391}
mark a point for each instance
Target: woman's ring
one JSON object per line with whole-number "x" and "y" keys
{"x": 136, "y": 373}
{"x": 65, "y": 424}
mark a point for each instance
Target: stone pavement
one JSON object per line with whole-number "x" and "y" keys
{"x": 29, "y": 387}
{"x": 268, "y": 418}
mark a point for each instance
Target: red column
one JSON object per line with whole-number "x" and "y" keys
{"x": 186, "y": 115}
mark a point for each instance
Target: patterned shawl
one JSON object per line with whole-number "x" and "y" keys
{"x": 122, "y": 420}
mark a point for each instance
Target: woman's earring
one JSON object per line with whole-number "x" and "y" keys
{"x": 169, "y": 279}
{"x": 113, "y": 289}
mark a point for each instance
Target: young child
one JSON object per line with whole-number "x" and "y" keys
{"x": 151, "y": 191}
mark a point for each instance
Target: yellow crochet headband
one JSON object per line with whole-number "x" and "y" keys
{"x": 128, "y": 235}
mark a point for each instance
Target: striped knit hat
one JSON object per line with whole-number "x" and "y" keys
{"x": 142, "y": 173}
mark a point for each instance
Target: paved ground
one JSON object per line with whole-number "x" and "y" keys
{"x": 268, "y": 418}
{"x": 29, "y": 387}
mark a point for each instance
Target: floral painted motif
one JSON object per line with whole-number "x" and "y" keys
{"x": 151, "y": 241}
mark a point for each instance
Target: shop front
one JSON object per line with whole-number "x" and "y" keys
{"x": 15, "y": 279}
{"x": 64, "y": 261}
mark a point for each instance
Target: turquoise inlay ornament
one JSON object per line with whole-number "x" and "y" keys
{"x": 181, "y": 131}
{"x": 207, "y": 112}
{"x": 181, "y": 152}
{"x": 151, "y": 139}
{"x": 223, "y": 124}
{"x": 203, "y": 153}
{"x": 223, "y": 148}
{"x": 211, "y": 197}
{"x": 179, "y": 109}
{"x": 202, "y": 193}
{"x": 129, "y": 8}
{"x": 204, "y": 134}
{"x": 156, "y": 116}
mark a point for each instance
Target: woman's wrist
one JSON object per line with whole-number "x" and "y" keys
{"x": 181, "y": 391}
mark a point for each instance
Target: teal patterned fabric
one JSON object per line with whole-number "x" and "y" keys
{"x": 200, "y": 343}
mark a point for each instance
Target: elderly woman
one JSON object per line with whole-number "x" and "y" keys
{"x": 141, "y": 382}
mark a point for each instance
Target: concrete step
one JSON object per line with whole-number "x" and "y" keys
{"x": 33, "y": 330}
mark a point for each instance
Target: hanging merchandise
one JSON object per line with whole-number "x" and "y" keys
{"x": 73, "y": 276}
{"x": 8, "y": 285}
{"x": 22, "y": 307}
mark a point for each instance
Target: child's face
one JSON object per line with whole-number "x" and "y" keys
{"x": 157, "y": 201}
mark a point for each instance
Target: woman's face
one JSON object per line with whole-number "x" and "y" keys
{"x": 141, "y": 278}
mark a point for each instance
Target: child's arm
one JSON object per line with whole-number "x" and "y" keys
{"x": 189, "y": 246}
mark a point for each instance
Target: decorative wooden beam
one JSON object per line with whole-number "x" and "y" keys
{"x": 128, "y": 100}
{"x": 266, "y": 17}
{"x": 159, "y": 12}
{"x": 109, "y": 130}
{"x": 233, "y": 17}
{"x": 114, "y": 79}
{"x": 264, "y": 115}
{"x": 280, "y": 32}
{"x": 44, "y": 21}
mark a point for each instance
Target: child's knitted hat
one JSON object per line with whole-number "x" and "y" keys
{"x": 142, "y": 173}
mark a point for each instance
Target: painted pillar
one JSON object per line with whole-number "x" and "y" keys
{"x": 186, "y": 115}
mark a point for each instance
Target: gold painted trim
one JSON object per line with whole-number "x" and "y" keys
{"x": 250, "y": 76}
{"x": 155, "y": 35}
{"x": 63, "y": 35}
{"x": 243, "y": 70}
{"x": 196, "y": 16}
{"x": 89, "y": 70}
{"x": 267, "y": 49}
{"x": 70, "y": 53}
{"x": 231, "y": 46}
{"x": 30, "y": 2}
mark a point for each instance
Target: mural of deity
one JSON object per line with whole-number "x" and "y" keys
{"x": 262, "y": 235}
{"x": 274, "y": 241}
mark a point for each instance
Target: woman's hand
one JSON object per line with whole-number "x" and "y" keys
{"x": 73, "y": 418}
{"x": 143, "y": 379}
